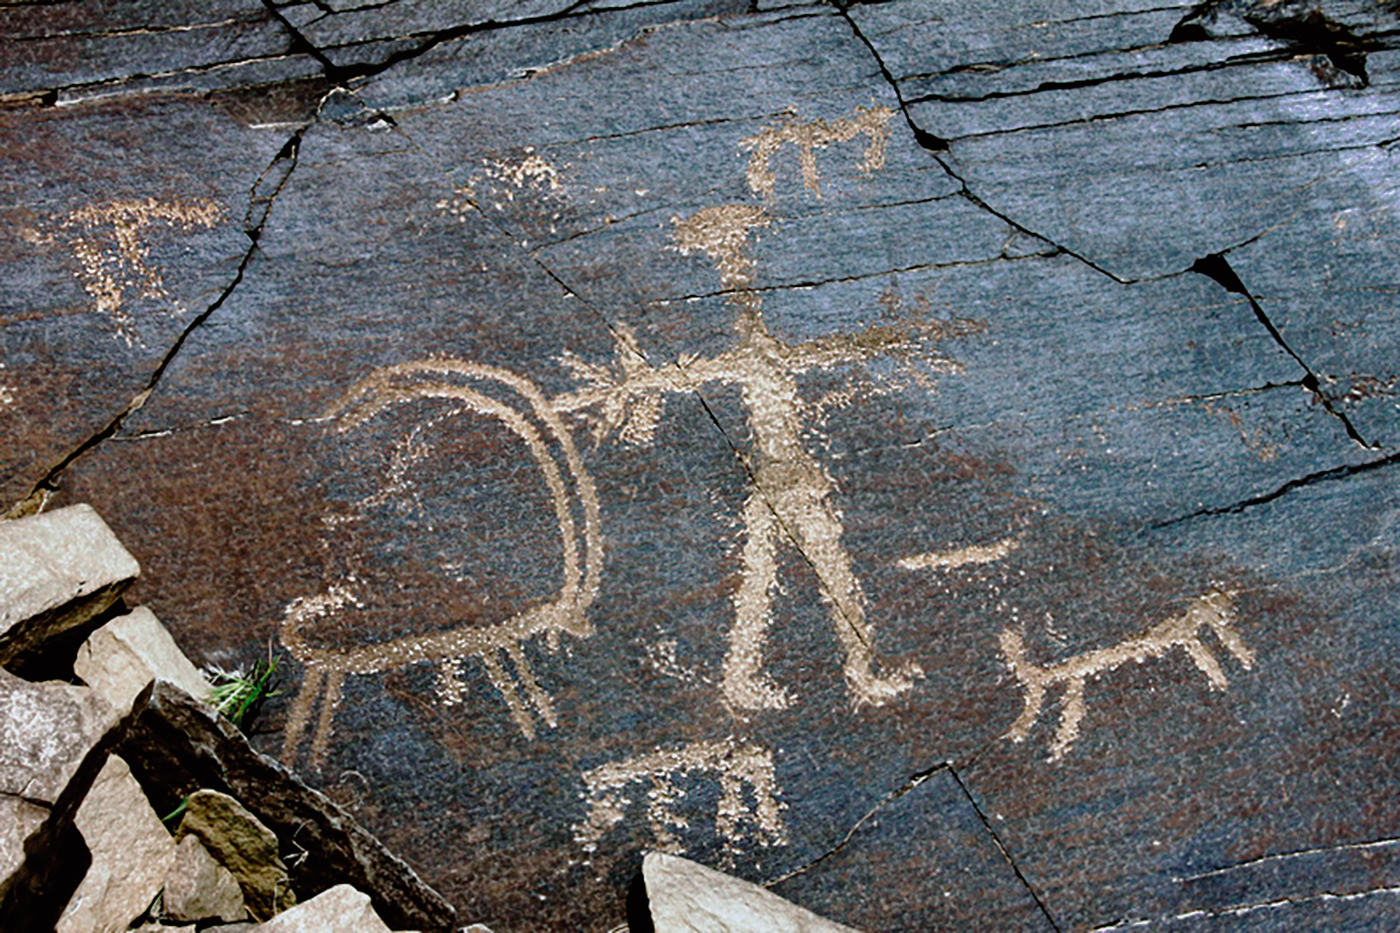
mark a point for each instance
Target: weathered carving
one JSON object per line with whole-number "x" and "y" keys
{"x": 109, "y": 241}
{"x": 500, "y": 648}
{"x": 1214, "y": 611}
{"x": 657, "y": 776}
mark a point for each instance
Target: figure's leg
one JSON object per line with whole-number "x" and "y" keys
{"x": 744, "y": 684}
{"x": 300, "y": 713}
{"x": 537, "y": 697}
{"x": 505, "y": 685}
{"x": 330, "y": 702}
{"x": 1205, "y": 661}
{"x": 1069, "y": 719}
{"x": 1233, "y": 642}
{"x": 1031, "y": 679}
{"x": 819, "y": 532}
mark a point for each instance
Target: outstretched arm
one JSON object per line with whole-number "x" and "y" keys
{"x": 630, "y": 393}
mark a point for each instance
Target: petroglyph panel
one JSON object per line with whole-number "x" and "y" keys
{"x": 632, "y": 432}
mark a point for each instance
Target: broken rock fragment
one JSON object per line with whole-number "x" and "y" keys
{"x": 337, "y": 908}
{"x": 131, "y": 853}
{"x": 683, "y": 897}
{"x": 58, "y": 572}
{"x": 243, "y": 845}
{"x": 198, "y": 888}
{"x": 124, "y": 655}
{"x": 177, "y": 745}
{"x": 51, "y": 750}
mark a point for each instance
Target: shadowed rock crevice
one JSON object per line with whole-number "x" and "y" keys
{"x": 939, "y": 148}
{"x": 913, "y": 782}
{"x": 1217, "y": 268}
{"x": 1001, "y": 847}
{"x": 1304, "y": 28}
{"x": 1334, "y": 474}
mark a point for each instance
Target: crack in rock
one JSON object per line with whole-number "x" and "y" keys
{"x": 1217, "y": 268}
{"x": 262, "y": 194}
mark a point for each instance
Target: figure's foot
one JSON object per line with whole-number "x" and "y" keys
{"x": 754, "y": 692}
{"x": 868, "y": 689}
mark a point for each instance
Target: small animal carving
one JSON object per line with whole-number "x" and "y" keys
{"x": 1214, "y": 611}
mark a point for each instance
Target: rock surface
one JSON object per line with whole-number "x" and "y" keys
{"x": 128, "y": 652}
{"x": 52, "y": 748}
{"x": 243, "y": 845}
{"x": 681, "y": 425}
{"x": 199, "y": 889}
{"x": 684, "y": 896}
{"x": 336, "y": 908}
{"x": 58, "y": 572}
{"x": 177, "y": 746}
{"x": 131, "y": 853}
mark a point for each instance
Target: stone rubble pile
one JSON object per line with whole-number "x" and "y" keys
{"x": 104, "y": 727}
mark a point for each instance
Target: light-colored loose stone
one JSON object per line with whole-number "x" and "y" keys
{"x": 337, "y": 908}
{"x": 49, "y": 739}
{"x": 131, "y": 853}
{"x": 199, "y": 888}
{"x": 46, "y": 730}
{"x": 19, "y": 819}
{"x": 244, "y": 846}
{"x": 123, "y": 656}
{"x": 689, "y": 898}
{"x": 57, "y": 570}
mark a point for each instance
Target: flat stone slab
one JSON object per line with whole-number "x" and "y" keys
{"x": 58, "y": 571}
{"x": 128, "y": 652}
{"x": 683, "y": 895}
{"x": 766, "y": 436}
{"x": 131, "y": 852}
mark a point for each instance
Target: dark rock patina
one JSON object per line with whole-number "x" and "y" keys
{"x": 937, "y": 461}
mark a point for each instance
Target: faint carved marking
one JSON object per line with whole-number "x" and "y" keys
{"x": 612, "y": 788}
{"x": 1214, "y": 611}
{"x": 960, "y": 557}
{"x": 1255, "y": 438}
{"x": 498, "y": 182}
{"x": 791, "y": 499}
{"x": 499, "y": 648}
{"x": 871, "y": 122}
{"x": 109, "y": 240}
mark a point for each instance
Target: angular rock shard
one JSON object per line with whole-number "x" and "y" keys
{"x": 177, "y": 745}
{"x": 53, "y": 740}
{"x": 684, "y": 897}
{"x": 199, "y": 888}
{"x": 337, "y": 908}
{"x": 58, "y": 572}
{"x": 123, "y": 656}
{"x": 243, "y": 845}
{"x": 131, "y": 853}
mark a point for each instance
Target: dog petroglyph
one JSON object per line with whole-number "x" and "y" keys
{"x": 1214, "y": 611}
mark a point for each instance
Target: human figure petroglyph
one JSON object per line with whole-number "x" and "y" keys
{"x": 791, "y": 497}
{"x": 1214, "y": 611}
{"x": 658, "y": 776}
{"x": 501, "y": 647}
{"x": 109, "y": 241}
{"x": 808, "y": 137}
